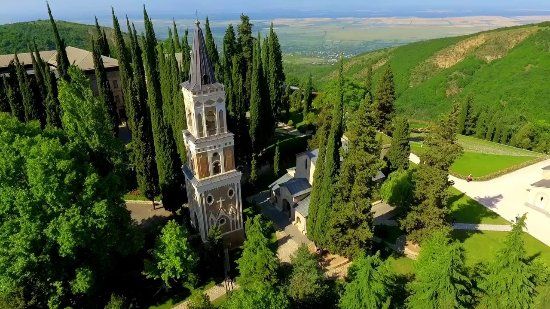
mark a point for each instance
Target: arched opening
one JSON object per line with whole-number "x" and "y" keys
{"x": 205, "y": 79}
{"x": 216, "y": 165}
{"x": 221, "y": 121}
{"x": 200, "y": 130}
{"x": 211, "y": 121}
{"x": 286, "y": 208}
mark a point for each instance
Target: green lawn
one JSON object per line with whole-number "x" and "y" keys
{"x": 474, "y": 144}
{"x": 402, "y": 265}
{"x": 482, "y": 246}
{"x": 480, "y": 164}
{"x": 466, "y": 210}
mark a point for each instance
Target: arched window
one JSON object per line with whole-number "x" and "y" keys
{"x": 211, "y": 121}
{"x": 205, "y": 79}
{"x": 216, "y": 165}
{"x": 199, "y": 126}
{"x": 221, "y": 121}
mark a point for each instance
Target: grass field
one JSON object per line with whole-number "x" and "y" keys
{"x": 484, "y": 159}
{"x": 464, "y": 209}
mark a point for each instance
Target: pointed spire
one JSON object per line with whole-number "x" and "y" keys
{"x": 201, "y": 71}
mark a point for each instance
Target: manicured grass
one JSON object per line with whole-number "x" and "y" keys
{"x": 481, "y": 246}
{"x": 474, "y": 144}
{"x": 464, "y": 209}
{"x": 482, "y": 164}
{"x": 220, "y": 301}
{"x": 402, "y": 265}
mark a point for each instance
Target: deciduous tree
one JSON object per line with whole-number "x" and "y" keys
{"x": 307, "y": 285}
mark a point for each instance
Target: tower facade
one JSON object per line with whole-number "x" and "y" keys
{"x": 213, "y": 184}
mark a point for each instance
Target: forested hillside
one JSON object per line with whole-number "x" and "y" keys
{"x": 505, "y": 69}
{"x": 16, "y": 37}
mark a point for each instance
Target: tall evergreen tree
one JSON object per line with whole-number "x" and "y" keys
{"x": 61, "y": 57}
{"x": 441, "y": 279}
{"x": 168, "y": 162}
{"x": 261, "y": 118}
{"x": 39, "y": 84}
{"x": 229, "y": 50}
{"x": 385, "y": 98}
{"x": 13, "y": 94}
{"x": 510, "y": 282}
{"x": 237, "y": 122}
{"x": 211, "y": 48}
{"x": 275, "y": 73}
{"x": 245, "y": 44}
{"x": 351, "y": 223}
{"x": 369, "y": 284}
{"x": 466, "y": 121}
{"x": 32, "y": 108}
{"x": 185, "y": 55}
{"x": 318, "y": 219}
{"x": 431, "y": 194}
{"x": 400, "y": 149}
{"x": 4, "y": 103}
{"x": 103, "y": 87}
{"x": 101, "y": 40}
{"x": 368, "y": 81}
{"x": 276, "y": 160}
{"x": 132, "y": 78}
{"x": 52, "y": 105}
{"x": 176, "y": 41}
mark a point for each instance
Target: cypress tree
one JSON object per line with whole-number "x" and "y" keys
{"x": 229, "y": 50}
{"x": 237, "y": 122}
{"x": 51, "y": 104}
{"x": 38, "y": 68}
{"x": 13, "y": 94}
{"x": 308, "y": 97}
{"x": 103, "y": 87}
{"x": 441, "y": 279}
{"x": 101, "y": 41}
{"x": 330, "y": 161}
{"x": 176, "y": 41}
{"x": 133, "y": 82}
{"x": 211, "y": 48}
{"x": 400, "y": 149}
{"x": 185, "y": 56}
{"x": 31, "y": 108}
{"x": 178, "y": 120}
{"x": 385, "y": 98}
{"x": 4, "y": 103}
{"x": 351, "y": 222}
{"x": 168, "y": 162}
{"x": 276, "y": 73}
{"x": 165, "y": 81}
{"x": 245, "y": 44}
{"x": 62, "y": 59}
{"x": 368, "y": 82}
{"x": 261, "y": 117}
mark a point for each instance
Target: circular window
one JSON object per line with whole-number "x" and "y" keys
{"x": 230, "y": 192}
{"x": 221, "y": 221}
{"x": 210, "y": 199}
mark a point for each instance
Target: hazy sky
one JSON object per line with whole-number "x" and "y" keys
{"x": 84, "y": 10}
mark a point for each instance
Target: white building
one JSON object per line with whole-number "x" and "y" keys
{"x": 538, "y": 197}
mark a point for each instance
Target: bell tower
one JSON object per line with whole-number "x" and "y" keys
{"x": 213, "y": 184}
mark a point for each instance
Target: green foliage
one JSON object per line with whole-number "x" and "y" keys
{"x": 385, "y": 98}
{"x": 307, "y": 285}
{"x": 199, "y": 300}
{"x": 62, "y": 219}
{"x": 510, "y": 282}
{"x": 276, "y": 160}
{"x": 102, "y": 43}
{"x": 441, "y": 279}
{"x": 429, "y": 212}
{"x": 370, "y": 282}
{"x": 173, "y": 259}
{"x": 168, "y": 162}
{"x": 398, "y": 189}
{"x": 258, "y": 263}
{"x": 307, "y": 94}
{"x": 261, "y": 125}
{"x": 116, "y": 302}
{"x": 103, "y": 87}
{"x": 258, "y": 297}
{"x": 399, "y": 151}
{"x": 211, "y": 48}
{"x": 275, "y": 73}
{"x": 350, "y": 226}
{"x": 245, "y": 45}
{"x": 62, "y": 60}
{"x": 32, "y": 108}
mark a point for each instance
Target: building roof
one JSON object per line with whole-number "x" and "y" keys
{"x": 543, "y": 183}
{"x": 201, "y": 72}
{"x": 303, "y": 207}
{"x": 297, "y": 186}
{"x": 311, "y": 154}
{"x": 81, "y": 58}
{"x": 277, "y": 183}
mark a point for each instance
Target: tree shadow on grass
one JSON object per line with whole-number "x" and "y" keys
{"x": 470, "y": 211}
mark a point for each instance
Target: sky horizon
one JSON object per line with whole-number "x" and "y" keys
{"x": 26, "y": 10}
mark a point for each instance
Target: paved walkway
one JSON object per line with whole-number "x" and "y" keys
{"x": 144, "y": 214}
{"x": 506, "y": 195}
{"x": 459, "y": 226}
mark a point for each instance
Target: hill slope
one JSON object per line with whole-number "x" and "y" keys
{"x": 506, "y": 69}
{"x": 17, "y": 37}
